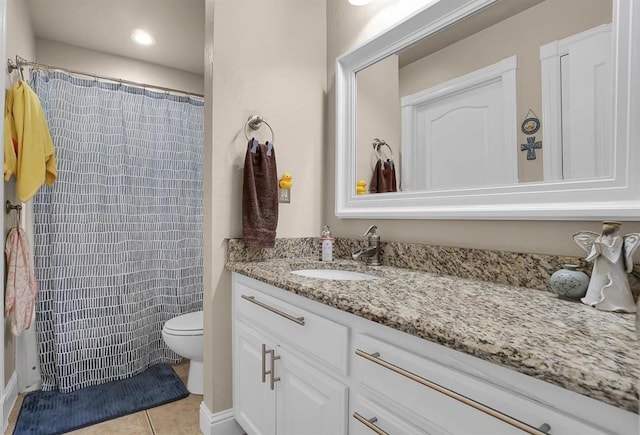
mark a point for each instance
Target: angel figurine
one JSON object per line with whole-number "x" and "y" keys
{"x": 611, "y": 256}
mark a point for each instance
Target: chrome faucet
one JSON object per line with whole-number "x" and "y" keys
{"x": 371, "y": 252}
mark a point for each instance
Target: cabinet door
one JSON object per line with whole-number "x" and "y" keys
{"x": 254, "y": 401}
{"x": 309, "y": 402}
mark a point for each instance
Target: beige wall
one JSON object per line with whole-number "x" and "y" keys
{"x": 377, "y": 115}
{"x": 104, "y": 64}
{"x": 270, "y": 59}
{"x": 348, "y": 26}
{"x": 20, "y": 40}
{"x": 546, "y": 22}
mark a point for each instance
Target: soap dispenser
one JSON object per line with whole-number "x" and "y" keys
{"x": 326, "y": 244}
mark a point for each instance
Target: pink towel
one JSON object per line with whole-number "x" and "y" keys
{"x": 22, "y": 287}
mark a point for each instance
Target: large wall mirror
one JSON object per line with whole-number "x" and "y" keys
{"x": 493, "y": 109}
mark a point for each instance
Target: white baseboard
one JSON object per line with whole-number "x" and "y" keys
{"x": 9, "y": 397}
{"x": 220, "y": 423}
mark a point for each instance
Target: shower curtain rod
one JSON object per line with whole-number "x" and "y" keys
{"x": 20, "y": 62}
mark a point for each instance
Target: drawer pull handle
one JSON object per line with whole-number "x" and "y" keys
{"x": 272, "y": 370}
{"x": 369, "y": 423}
{"x": 298, "y": 320}
{"x": 545, "y": 428}
{"x": 264, "y": 363}
{"x": 457, "y": 396}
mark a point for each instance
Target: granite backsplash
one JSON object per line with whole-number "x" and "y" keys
{"x": 503, "y": 267}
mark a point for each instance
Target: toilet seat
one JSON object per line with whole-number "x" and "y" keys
{"x": 185, "y": 325}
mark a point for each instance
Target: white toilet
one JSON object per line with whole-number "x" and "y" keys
{"x": 183, "y": 335}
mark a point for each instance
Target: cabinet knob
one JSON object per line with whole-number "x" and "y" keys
{"x": 545, "y": 428}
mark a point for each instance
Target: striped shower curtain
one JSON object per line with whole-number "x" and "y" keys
{"x": 118, "y": 238}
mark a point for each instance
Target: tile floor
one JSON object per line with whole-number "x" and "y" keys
{"x": 176, "y": 418}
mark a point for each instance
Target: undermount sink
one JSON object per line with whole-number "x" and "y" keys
{"x": 335, "y": 274}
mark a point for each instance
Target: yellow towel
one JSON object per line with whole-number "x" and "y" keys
{"x": 28, "y": 148}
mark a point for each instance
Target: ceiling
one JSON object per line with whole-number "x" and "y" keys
{"x": 106, "y": 25}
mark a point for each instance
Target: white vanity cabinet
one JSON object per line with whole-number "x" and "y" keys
{"x": 442, "y": 394}
{"x": 335, "y": 373}
{"x": 283, "y": 361}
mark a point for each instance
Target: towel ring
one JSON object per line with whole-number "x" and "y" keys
{"x": 377, "y": 144}
{"x": 255, "y": 122}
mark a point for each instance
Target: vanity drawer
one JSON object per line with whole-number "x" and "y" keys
{"x": 316, "y": 335}
{"x": 367, "y": 416}
{"x": 452, "y": 400}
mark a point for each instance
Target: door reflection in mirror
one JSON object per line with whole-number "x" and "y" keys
{"x": 470, "y": 136}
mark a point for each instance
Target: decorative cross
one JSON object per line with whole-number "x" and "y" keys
{"x": 530, "y": 147}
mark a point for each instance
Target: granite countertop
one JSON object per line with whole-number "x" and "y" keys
{"x": 565, "y": 343}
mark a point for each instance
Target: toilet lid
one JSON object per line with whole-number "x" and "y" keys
{"x": 187, "y": 324}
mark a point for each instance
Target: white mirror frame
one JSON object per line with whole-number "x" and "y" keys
{"x": 617, "y": 197}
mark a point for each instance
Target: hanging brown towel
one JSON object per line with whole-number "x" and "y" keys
{"x": 383, "y": 178}
{"x": 260, "y": 196}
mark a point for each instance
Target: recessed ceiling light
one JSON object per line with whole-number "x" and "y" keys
{"x": 360, "y": 2}
{"x": 142, "y": 37}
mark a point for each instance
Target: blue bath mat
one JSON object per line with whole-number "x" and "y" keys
{"x": 51, "y": 412}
